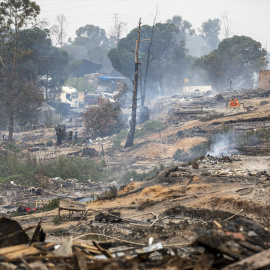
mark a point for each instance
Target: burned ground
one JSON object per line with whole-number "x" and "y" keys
{"x": 183, "y": 199}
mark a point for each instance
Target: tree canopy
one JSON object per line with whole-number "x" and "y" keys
{"x": 210, "y": 31}
{"x": 184, "y": 27}
{"x": 28, "y": 62}
{"x": 91, "y": 43}
{"x": 236, "y": 58}
{"x": 167, "y": 55}
{"x": 15, "y": 15}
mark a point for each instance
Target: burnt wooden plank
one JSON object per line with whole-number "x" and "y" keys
{"x": 256, "y": 261}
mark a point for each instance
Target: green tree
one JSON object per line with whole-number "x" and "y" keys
{"x": 122, "y": 60}
{"x": 76, "y": 52}
{"x": 15, "y": 15}
{"x": 210, "y": 68}
{"x": 100, "y": 55}
{"x": 93, "y": 44}
{"x": 178, "y": 67}
{"x": 236, "y": 58}
{"x": 210, "y": 31}
{"x": 241, "y": 57}
{"x": 55, "y": 72}
{"x": 91, "y": 36}
{"x": 184, "y": 27}
{"x": 28, "y": 104}
{"x": 163, "y": 51}
{"x": 44, "y": 63}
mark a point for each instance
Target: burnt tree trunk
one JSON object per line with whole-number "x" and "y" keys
{"x": 11, "y": 116}
{"x": 131, "y": 133}
{"x": 147, "y": 67}
{"x": 46, "y": 87}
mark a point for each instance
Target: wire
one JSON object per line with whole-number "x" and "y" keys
{"x": 62, "y": 3}
{"x": 86, "y": 6}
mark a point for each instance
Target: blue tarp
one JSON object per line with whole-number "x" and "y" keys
{"x": 107, "y": 78}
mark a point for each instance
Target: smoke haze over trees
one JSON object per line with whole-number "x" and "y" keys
{"x": 33, "y": 70}
{"x": 236, "y": 58}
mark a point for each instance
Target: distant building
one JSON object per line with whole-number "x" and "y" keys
{"x": 191, "y": 90}
{"x": 87, "y": 67}
{"x": 96, "y": 79}
{"x": 264, "y": 79}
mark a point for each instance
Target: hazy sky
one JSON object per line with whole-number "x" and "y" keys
{"x": 248, "y": 17}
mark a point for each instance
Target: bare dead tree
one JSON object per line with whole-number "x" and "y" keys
{"x": 227, "y": 25}
{"x": 120, "y": 28}
{"x": 131, "y": 133}
{"x": 58, "y": 30}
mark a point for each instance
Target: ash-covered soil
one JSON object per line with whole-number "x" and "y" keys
{"x": 186, "y": 195}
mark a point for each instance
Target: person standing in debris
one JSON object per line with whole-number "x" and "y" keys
{"x": 234, "y": 103}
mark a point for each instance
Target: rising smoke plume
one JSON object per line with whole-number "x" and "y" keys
{"x": 224, "y": 145}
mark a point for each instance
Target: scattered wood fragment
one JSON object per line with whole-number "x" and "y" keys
{"x": 236, "y": 244}
{"x": 256, "y": 261}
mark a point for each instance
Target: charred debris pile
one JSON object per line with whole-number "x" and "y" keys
{"x": 235, "y": 244}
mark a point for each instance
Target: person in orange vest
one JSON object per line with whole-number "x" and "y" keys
{"x": 234, "y": 103}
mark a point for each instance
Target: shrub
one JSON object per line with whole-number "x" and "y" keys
{"x": 104, "y": 119}
{"x": 120, "y": 137}
{"x": 71, "y": 167}
{"x": 49, "y": 143}
{"x": 177, "y": 155}
{"x": 51, "y": 205}
{"x": 56, "y": 220}
{"x": 253, "y": 136}
{"x": 199, "y": 149}
{"x": 13, "y": 147}
{"x": 23, "y": 171}
{"x": 149, "y": 127}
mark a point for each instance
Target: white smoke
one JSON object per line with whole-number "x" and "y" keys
{"x": 223, "y": 146}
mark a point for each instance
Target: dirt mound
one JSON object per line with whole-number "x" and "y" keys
{"x": 156, "y": 191}
{"x": 159, "y": 192}
{"x": 197, "y": 179}
{"x": 194, "y": 187}
{"x": 130, "y": 187}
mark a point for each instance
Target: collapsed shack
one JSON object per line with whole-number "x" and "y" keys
{"x": 235, "y": 244}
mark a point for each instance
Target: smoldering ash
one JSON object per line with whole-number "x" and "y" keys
{"x": 224, "y": 145}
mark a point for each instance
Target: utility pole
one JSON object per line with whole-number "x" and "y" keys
{"x": 132, "y": 122}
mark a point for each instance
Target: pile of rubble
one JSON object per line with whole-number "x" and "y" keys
{"x": 236, "y": 244}
{"x": 216, "y": 160}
